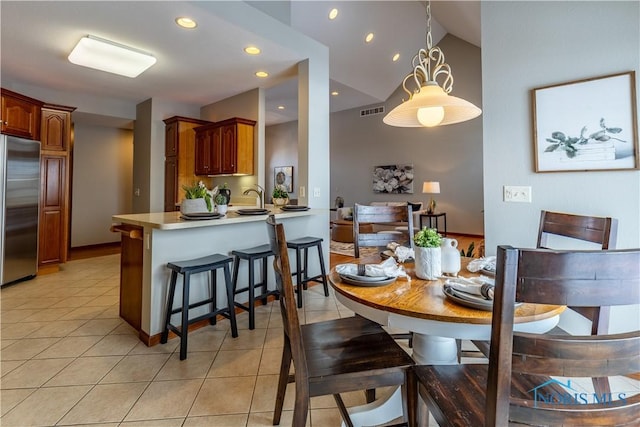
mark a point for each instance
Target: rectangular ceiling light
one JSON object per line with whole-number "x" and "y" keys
{"x": 112, "y": 57}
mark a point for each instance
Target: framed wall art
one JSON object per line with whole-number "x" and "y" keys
{"x": 586, "y": 125}
{"x": 283, "y": 178}
{"x": 393, "y": 179}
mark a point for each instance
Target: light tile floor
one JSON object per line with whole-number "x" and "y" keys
{"x": 68, "y": 359}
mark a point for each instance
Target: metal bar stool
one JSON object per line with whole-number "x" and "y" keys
{"x": 251, "y": 255}
{"x": 205, "y": 264}
{"x": 301, "y": 246}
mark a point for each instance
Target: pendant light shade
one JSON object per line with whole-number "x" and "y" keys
{"x": 430, "y": 103}
{"x": 431, "y": 106}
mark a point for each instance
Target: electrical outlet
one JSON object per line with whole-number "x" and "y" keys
{"x": 301, "y": 191}
{"x": 316, "y": 192}
{"x": 519, "y": 194}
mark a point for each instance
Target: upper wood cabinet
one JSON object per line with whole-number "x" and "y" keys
{"x": 225, "y": 148}
{"x": 20, "y": 115}
{"x": 56, "y": 127}
{"x": 180, "y": 148}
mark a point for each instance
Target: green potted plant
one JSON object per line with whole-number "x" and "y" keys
{"x": 221, "y": 203}
{"x": 280, "y": 197}
{"x": 428, "y": 264}
{"x": 196, "y": 199}
{"x": 226, "y": 192}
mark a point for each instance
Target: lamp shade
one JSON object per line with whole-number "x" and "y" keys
{"x": 431, "y": 187}
{"x": 105, "y": 55}
{"x": 426, "y": 108}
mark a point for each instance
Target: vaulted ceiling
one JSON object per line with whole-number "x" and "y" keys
{"x": 208, "y": 63}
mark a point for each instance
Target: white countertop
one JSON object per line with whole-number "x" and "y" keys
{"x": 172, "y": 220}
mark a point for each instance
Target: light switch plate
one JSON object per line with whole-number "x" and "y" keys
{"x": 518, "y": 194}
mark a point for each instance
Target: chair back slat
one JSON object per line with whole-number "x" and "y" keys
{"x": 389, "y": 215}
{"x": 552, "y": 277}
{"x": 601, "y": 230}
{"x": 592, "y": 415}
{"x": 576, "y": 356}
{"x": 579, "y": 278}
{"x": 284, "y": 283}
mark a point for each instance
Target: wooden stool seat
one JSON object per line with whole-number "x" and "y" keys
{"x": 262, "y": 253}
{"x": 301, "y": 246}
{"x": 209, "y": 264}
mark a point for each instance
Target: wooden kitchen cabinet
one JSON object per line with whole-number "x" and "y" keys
{"x": 179, "y": 166}
{"x": 20, "y": 115}
{"x": 55, "y": 184}
{"x": 225, "y": 148}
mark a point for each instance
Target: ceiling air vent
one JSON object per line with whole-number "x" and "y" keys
{"x": 372, "y": 111}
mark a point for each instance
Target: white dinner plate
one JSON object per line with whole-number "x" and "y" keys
{"x": 364, "y": 280}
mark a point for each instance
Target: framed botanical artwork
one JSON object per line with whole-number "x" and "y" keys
{"x": 283, "y": 178}
{"x": 586, "y": 125}
{"x": 393, "y": 179}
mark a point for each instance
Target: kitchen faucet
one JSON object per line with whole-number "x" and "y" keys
{"x": 259, "y": 192}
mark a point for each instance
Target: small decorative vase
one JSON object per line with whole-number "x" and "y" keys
{"x": 450, "y": 256}
{"x": 188, "y": 206}
{"x": 279, "y": 202}
{"x": 428, "y": 264}
{"x": 226, "y": 192}
{"x": 222, "y": 209}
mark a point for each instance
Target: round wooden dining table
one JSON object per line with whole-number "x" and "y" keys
{"x": 420, "y": 306}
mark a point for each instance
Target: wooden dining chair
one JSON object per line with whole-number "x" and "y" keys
{"x": 398, "y": 218}
{"x": 601, "y": 231}
{"x": 538, "y": 378}
{"x": 334, "y": 356}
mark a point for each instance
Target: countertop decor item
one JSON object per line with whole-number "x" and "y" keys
{"x": 280, "y": 197}
{"x": 197, "y": 199}
{"x": 430, "y": 104}
{"x": 221, "y": 204}
{"x": 428, "y": 255}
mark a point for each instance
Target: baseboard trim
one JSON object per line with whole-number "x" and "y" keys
{"x": 90, "y": 251}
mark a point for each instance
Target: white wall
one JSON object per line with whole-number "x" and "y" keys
{"x": 281, "y": 149}
{"x": 102, "y": 182}
{"x": 533, "y": 44}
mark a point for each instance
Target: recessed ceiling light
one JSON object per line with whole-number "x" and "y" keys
{"x": 262, "y": 74}
{"x": 368, "y": 38}
{"x": 185, "y": 22}
{"x": 252, "y": 50}
{"x": 335, "y": 93}
{"x": 333, "y": 14}
{"x": 280, "y": 107}
{"x": 395, "y": 57}
{"x": 106, "y": 55}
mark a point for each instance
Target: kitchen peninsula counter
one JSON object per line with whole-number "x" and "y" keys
{"x": 151, "y": 240}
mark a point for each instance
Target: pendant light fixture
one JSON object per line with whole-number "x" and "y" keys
{"x": 430, "y": 104}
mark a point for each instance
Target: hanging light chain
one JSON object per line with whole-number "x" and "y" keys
{"x": 429, "y": 40}
{"x": 428, "y": 65}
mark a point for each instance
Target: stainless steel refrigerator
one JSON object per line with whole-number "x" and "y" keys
{"x": 19, "y": 198}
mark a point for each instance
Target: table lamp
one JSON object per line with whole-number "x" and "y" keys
{"x": 431, "y": 187}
